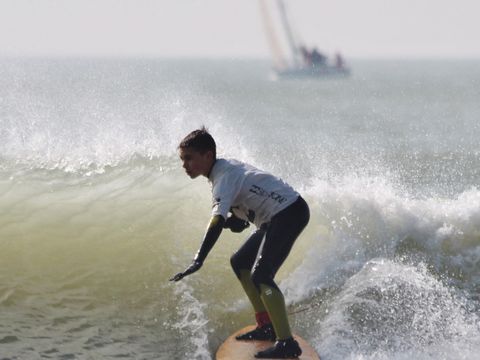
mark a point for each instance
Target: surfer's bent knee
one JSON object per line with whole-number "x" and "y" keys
{"x": 262, "y": 276}
{"x": 235, "y": 261}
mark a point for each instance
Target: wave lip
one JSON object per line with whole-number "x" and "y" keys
{"x": 387, "y": 276}
{"x": 363, "y": 219}
{"x": 388, "y": 309}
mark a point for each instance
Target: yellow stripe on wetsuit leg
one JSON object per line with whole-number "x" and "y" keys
{"x": 274, "y": 301}
{"x": 251, "y": 291}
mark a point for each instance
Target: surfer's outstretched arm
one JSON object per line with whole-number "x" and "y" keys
{"x": 211, "y": 236}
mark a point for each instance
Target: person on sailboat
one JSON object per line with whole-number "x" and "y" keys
{"x": 339, "y": 63}
{"x": 307, "y": 56}
{"x": 318, "y": 59}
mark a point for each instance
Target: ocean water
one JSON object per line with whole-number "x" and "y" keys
{"x": 96, "y": 213}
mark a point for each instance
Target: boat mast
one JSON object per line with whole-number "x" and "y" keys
{"x": 288, "y": 30}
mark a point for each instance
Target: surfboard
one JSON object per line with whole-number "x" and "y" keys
{"x": 233, "y": 349}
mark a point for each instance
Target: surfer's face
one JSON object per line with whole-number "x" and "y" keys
{"x": 195, "y": 163}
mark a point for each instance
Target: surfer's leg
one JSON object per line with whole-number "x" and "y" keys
{"x": 242, "y": 262}
{"x": 280, "y": 237}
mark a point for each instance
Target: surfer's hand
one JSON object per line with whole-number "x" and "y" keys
{"x": 194, "y": 266}
{"x": 235, "y": 224}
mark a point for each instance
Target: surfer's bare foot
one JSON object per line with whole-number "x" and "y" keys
{"x": 264, "y": 333}
{"x": 283, "y": 349}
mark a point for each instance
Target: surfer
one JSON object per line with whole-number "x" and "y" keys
{"x": 243, "y": 194}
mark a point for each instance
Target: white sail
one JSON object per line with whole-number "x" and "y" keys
{"x": 273, "y": 42}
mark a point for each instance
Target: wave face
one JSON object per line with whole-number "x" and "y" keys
{"x": 97, "y": 213}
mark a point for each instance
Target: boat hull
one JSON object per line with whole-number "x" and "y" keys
{"x": 312, "y": 72}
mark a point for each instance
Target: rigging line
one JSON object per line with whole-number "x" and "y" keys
{"x": 288, "y": 30}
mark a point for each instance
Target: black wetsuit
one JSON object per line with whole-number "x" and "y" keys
{"x": 267, "y": 248}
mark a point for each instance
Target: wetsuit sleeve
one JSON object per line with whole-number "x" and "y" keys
{"x": 211, "y": 236}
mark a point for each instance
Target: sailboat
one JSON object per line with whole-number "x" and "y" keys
{"x": 299, "y": 62}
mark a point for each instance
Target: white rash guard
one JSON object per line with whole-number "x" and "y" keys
{"x": 251, "y": 194}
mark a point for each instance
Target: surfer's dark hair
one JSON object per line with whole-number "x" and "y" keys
{"x": 199, "y": 140}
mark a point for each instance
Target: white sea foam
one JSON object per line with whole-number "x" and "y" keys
{"x": 389, "y": 310}
{"x": 383, "y": 273}
{"x": 363, "y": 218}
{"x": 193, "y": 325}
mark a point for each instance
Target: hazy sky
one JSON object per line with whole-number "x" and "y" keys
{"x": 234, "y": 28}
